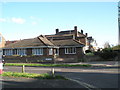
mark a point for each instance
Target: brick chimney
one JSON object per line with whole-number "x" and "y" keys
{"x": 57, "y": 31}
{"x": 76, "y": 32}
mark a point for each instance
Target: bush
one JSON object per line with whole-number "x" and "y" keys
{"x": 116, "y": 47}
{"x": 97, "y": 53}
{"x": 90, "y": 54}
{"x": 107, "y": 53}
{"x": 87, "y": 51}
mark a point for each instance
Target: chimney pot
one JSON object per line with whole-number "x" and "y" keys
{"x": 57, "y": 30}
{"x": 86, "y": 34}
{"x": 75, "y": 27}
{"x": 82, "y": 31}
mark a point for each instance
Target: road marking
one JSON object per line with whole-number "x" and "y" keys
{"x": 86, "y": 85}
{"x": 104, "y": 71}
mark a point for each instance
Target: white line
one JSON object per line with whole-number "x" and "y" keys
{"x": 86, "y": 85}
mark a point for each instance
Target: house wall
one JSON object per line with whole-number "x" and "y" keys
{"x": 28, "y": 59}
{"x": 62, "y": 57}
{"x": 70, "y": 57}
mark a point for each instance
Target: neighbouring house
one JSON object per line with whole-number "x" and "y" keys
{"x": 2, "y": 44}
{"x": 64, "y": 46}
{"x": 89, "y": 42}
{"x": 9, "y": 42}
{"x": 2, "y": 41}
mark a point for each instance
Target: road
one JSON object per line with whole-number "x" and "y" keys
{"x": 89, "y": 77}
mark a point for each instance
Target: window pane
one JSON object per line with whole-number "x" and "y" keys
{"x": 37, "y": 51}
{"x": 50, "y": 51}
{"x": 71, "y": 50}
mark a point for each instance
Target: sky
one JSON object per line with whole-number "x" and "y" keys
{"x": 22, "y": 20}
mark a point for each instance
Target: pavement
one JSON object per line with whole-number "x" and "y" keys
{"x": 100, "y": 63}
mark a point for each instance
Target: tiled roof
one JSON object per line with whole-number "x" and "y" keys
{"x": 9, "y": 42}
{"x": 26, "y": 43}
{"x": 59, "y": 37}
{"x": 45, "y": 40}
{"x": 68, "y": 42}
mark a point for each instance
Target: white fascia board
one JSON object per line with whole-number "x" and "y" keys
{"x": 33, "y": 47}
{"x": 72, "y": 46}
{"x": 45, "y": 47}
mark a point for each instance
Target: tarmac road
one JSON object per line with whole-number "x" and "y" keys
{"x": 94, "y": 77}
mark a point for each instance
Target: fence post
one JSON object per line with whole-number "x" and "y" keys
{"x": 1, "y": 67}
{"x": 23, "y": 68}
{"x": 53, "y": 72}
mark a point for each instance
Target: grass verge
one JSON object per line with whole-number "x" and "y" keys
{"x": 32, "y": 75}
{"x": 48, "y": 65}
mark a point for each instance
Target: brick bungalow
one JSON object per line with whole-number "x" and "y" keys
{"x": 64, "y": 46}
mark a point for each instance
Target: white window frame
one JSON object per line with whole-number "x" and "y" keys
{"x": 21, "y": 51}
{"x": 70, "y": 50}
{"x": 8, "y": 52}
{"x": 37, "y": 51}
{"x": 50, "y": 51}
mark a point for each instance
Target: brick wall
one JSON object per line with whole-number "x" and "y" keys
{"x": 62, "y": 57}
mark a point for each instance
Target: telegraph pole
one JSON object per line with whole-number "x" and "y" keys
{"x": 119, "y": 23}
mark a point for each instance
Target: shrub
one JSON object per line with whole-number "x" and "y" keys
{"x": 107, "y": 53}
{"x": 90, "y": 54}
{"x": 87, "y": 51}
{"x": 116, "y": 47}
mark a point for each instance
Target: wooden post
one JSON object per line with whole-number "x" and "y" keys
{"x": 53, "y": 72}
{"x": 23, "y": 68}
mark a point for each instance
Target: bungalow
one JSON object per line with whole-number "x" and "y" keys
{"x": 64, "y": 46}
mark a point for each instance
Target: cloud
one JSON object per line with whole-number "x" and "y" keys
{"x": 34, "y": 23}
{"x": 32, "y": 17}
{"x": 3, "y": 20}
{"x": 18, "y": 20}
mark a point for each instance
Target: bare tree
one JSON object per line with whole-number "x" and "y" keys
{"x": 106, "y": 45}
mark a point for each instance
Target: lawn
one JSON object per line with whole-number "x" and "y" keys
{"x": 32, "y": 75}
{"x": 47, "y": 65}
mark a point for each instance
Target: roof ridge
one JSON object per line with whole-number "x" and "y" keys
{"x": 44, "y": 40}
{"x": 78, "y": 42}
